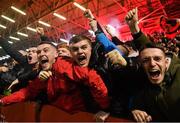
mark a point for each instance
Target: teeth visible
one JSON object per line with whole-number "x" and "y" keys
{"x": 154, "y": 73}
{"x": 44, "y": 61}
{"x": 81, "y": 58}
{"x": 43, "y": 58}
{"x": 29, "y": 57}
{"x": 153, "y": 70}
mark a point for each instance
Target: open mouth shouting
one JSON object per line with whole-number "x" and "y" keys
{"x": 154, "y": 75}
{"x": 82, "y": 60}
{"x": 29, "y": 58}
{"x": 44, "y": 62}
{"x": 32, "y": 59}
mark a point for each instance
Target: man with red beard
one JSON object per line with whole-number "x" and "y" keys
{"x": 63, "y": 86}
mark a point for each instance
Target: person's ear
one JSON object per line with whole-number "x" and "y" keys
{"x": 167, "y": 63}
{"x": 56, "y": 54}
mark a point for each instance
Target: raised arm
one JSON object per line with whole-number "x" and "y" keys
{"x": 40, "y": 32}
{"x": 100, "y": 36}
{"x": 15, "y": 54}
{"x": 30, "y": 92}
{"x": 132, "y": 20}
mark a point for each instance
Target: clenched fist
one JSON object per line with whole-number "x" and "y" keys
{"x": 44, "y": 75}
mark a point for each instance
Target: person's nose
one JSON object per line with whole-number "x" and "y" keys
{"x": 80, "y": 50}
{"x": 152, "y": 62}
{"x": 30, "y": 53}
{"x": 41, "y": 53}
{"x": 60, "y": 52}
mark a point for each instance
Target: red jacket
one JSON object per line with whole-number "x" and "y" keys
{"x": 62, "y": 87}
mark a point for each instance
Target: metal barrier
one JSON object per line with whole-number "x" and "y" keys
{"x": 26, "y": 112}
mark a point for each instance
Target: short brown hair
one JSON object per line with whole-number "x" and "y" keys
{"x": 79, "y": 38}
{"x": 152, "y": 45}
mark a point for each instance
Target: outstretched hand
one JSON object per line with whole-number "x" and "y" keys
{"x": 88, "y": 14}
{"x": 40, "y": 30}
{"x": 132, "y": 16}
{"x": 132, "y": 20}
{"x": 116, "y": 58}
{"x": 101, "y": 116}
{"x": 141, "y": 116}
{"x": 16, "y": 81}
{"x": 110, "y": 30}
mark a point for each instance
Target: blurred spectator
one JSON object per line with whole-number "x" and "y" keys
{"x": 63, "y": 50}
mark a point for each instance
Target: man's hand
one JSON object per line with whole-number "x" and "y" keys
{"x": 93, "y": 23}
{"x": 141, "y": 116}
{"x": 44, "y": 75}
{"x": 116, "y": 58}
{"x": 16, "y": 81}
{"x": 101, "y": 116}
{"x": 40, "y": 30}
{"x": 111, "y": 30}
{"x": 132, "y": 20}
{"x": 88, "y": 14}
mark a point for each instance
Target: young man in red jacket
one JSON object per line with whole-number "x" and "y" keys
{"x": 62, "y": 86}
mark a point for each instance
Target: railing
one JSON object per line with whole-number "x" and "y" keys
{"x": 27, "y": 112}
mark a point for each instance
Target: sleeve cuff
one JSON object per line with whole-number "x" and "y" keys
{"x": 137, "y": 35}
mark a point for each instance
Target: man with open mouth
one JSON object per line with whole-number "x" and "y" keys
{"x": 27, "y": 62}
{"x": 80, "y": 47}
{"x": 159, "y": 100}
{"x": 154, "y": 64}
{"x": 32, "y": 55}
{"x": 63, "y": 50}
{"x": 63, "y": 86}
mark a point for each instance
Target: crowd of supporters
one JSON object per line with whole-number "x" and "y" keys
{"x": 138, "y": 80}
